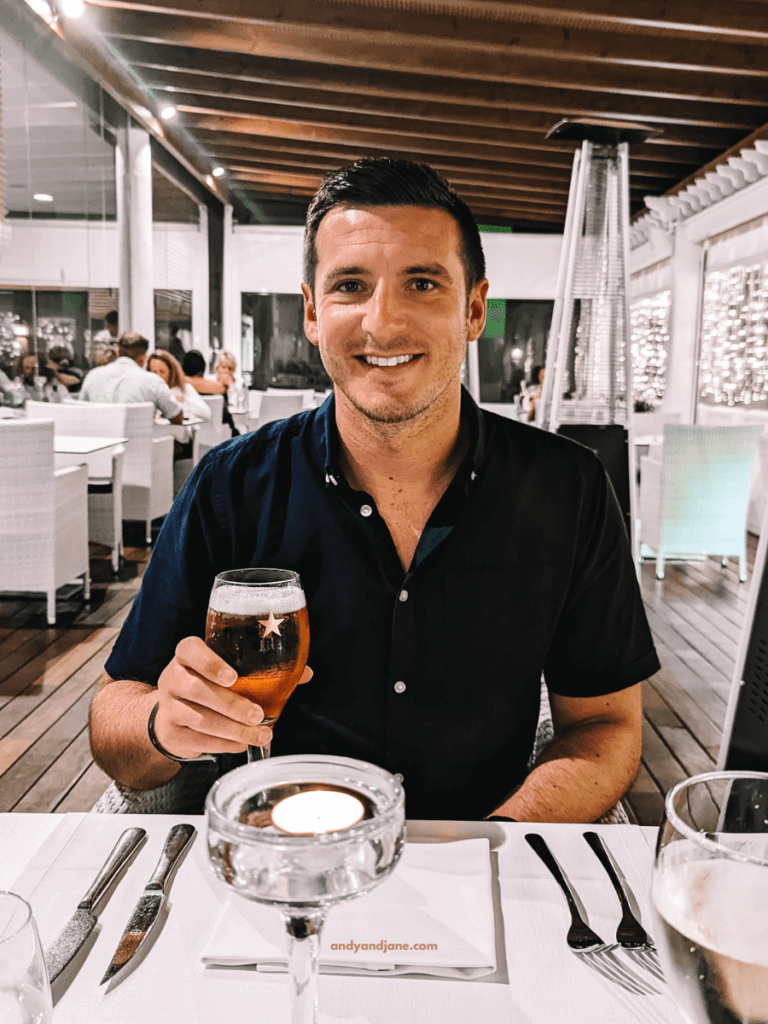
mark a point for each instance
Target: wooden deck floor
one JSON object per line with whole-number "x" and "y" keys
{"x": 48, "y": 675}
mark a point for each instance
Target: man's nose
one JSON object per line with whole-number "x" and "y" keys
{"x": 385, "y": 315}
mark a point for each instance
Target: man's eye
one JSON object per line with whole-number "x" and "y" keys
{"x": 349, "y": 287}
{"x": 423, "y": 284}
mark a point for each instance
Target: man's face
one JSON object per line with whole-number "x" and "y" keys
{"x": 390, "y": 287}
{"x": 29, "y": 367}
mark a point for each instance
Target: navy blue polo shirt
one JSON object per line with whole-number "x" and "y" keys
{"x": 523, "y": 567}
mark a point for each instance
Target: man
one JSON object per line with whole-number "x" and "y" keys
{"x": 103, "y": 345}
{"x": 125, "y": 380}
{"x": 448, "y": 555}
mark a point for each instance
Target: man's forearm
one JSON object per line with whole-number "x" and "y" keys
{"x": 119, "y": 740}
{"x": 579, "y": 775}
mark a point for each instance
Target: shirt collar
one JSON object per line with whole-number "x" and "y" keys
{"x": 328, "y": 443}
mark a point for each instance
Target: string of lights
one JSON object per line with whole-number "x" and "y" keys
{"x": 734, "y": 356}
{"x": 649, "y": 321}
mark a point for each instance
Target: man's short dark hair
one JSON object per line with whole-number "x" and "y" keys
{"x": 132, "y": 345}
{"x": 194, "y": 363}
{"x": 388, "y": 181}
{"x": 111, "y": 318}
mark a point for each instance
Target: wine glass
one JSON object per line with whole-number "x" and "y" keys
{"x": 300, "y": 833}
{"x": 25, "y": 994}
{"x": 710, "y": 897}
{"x": 258, "y": 623}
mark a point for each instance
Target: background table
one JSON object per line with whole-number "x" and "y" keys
{"x": 69, "y": 450}
{"x": 538, "y": 980}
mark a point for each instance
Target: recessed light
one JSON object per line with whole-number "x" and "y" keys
{"x": 72, "y": 8}
{"x": 167, "y": 113}
{"x": 218, "y": 172}
{"x": 42, "y": 197}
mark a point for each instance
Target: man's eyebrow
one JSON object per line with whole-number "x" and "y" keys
{"x": 338, "y": 272}
{"x": 429, "y": 270}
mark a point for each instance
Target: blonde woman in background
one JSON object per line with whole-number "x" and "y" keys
{"x": 226, "y": 367}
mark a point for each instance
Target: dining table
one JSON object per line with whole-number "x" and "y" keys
{"x": 71, "y": 450}
{"x": 52, "y": 859}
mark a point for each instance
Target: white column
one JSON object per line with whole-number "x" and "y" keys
{"x": 201, "y": 290}
{"x": 686, "y": 286}
{"x": 231, "y": 302}
{"x": 134, "y": 213}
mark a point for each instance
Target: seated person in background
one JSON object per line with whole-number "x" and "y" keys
{"x": 169, "y": 369}
{"x": 103, "y": 346}
{"x": 39, "y": 386}
{"x": 124, "y": 380}
{"x": 226, "y": 367}
{"x": 194, "y": 368}
{"x": 58, "y": 364}
{"x": 449, "y": 556}
{"x": 532, "y": 391}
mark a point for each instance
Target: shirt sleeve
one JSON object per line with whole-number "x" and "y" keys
{"x": 194, "y": 404}
{"x": 173, "y": 600}
{"x": 602, "y": 641}
{"x": 164, "y": 399}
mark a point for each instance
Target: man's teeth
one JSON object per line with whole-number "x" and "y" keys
{"x": 392, "y": 361}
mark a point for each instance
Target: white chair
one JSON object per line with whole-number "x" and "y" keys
{"x": 148, "y": 461}
{"x": 278, "y": 407}
{"x": 105, "y": 469}
{"x": 43, "y": 514}
{"x": 307, "y": 395}
{"x": 214, "y": 431}
{"x": 693, "y": 501}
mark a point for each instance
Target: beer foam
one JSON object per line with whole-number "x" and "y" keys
{"x": 256, "y": 600}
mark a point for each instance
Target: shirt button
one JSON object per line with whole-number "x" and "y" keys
{"x": 403, "y": 595}
{"x": 366, "y": 510}
{"x": 399, "y": 686}
{"x": 398, "y": 777}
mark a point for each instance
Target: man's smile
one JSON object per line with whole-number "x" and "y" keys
{"x": 388, "y": 360}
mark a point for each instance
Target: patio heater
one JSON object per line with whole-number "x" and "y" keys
{"x": 587, "y": 391}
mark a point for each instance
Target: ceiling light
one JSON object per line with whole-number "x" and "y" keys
{"x": 167, "y": 113}
{"x": 42, "y": 197}
{"x": 218, "y": 172}
{"x": 72, "y": 8}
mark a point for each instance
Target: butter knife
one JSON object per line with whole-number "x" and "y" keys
{"x": 83, "y": 921}
{"x": 147, "y": 911}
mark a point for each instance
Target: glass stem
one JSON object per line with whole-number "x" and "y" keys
{"x": 303, "y": 954}
{"x": 259, "y": 753}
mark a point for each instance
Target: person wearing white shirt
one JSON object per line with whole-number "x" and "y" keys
{"x": 124, "y": 380}
{"x": 169, "y": 370}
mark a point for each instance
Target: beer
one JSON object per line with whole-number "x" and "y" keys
{"x": 263, "y": 633}
{"x": 713, "y": 939}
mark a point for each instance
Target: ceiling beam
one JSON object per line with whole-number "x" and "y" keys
{"x": 525, "y": 128}
{"x": 544, "y": 166}
{"x": 569, "y": 39}
{"x": 746, "y": 79}
{"x": 247, "y": 68}
{"x": 396, "y": 139}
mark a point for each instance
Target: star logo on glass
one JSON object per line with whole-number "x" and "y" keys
{"x": 272, "y": 625}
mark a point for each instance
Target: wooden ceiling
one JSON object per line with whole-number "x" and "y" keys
{"x": 278, "y": 92}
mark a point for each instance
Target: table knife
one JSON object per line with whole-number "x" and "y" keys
{"x": 82, "y": 922}
{"x": 147, "y": 911}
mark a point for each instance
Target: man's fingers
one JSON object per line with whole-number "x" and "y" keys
{"x": 193, "y": 689}
{"x": 208, "y": 723}
{"x": 306, "y": 675}
{"x": 193, "y": 653}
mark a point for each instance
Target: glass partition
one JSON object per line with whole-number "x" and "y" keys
{"x": 281, "y": 355}
{"x": 513, "y": 343}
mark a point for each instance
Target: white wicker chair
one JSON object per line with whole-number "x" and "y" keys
{"x": 307, "y": 395}
{"x": 278, "y": 407}
{"x": 214, "y": 431}
{"x": 694, "y": 500}
{"x": 105, "y": 469}
{"x": 43, "y": 514}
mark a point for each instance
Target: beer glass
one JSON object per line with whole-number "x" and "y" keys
{"x": 25, "y": 995}
{"x": 709, "y": 895}
{"x": 258, "y": 623}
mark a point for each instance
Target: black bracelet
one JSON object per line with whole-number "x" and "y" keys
{"x": 500, "y": 817}
{"x": 159, "y": 747}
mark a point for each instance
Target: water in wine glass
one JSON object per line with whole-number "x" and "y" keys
{"x": 715, "y": 938}
{"x": 262, "y": 631}
{"x": 23, "y": 1004}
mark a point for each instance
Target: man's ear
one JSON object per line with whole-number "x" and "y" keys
{"x": 310, "y": 314}
{"x": 478, "y": 309}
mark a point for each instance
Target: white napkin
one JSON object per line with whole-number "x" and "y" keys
{"x": 439, "y": 895}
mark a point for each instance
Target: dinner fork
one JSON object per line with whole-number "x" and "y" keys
{"x": 630, "y": 934}
{"x": 581, "y": 938}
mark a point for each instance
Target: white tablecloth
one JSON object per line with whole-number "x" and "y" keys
{"x": 538, "y": 981}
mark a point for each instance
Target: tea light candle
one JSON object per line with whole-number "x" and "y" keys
{"x": 317, "y": 810}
